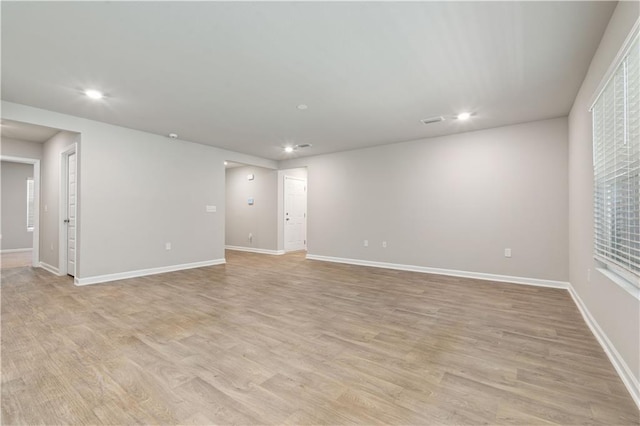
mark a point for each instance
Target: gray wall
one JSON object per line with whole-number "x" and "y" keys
{"x": 138, "y": 191}
{"x": 453, "y": 202}
{"x": 258, "y": 219}
{"x": 14, "y": 205}
{"x": 616, "y": 311}
{"x": 20, "y": 148}
{"x": 50, "y": 196}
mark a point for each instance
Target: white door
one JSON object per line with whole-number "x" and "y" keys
{"x": 71, "y": 216}
{"x": 295, "y": 214}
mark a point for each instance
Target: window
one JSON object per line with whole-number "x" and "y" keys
{"x": 616, "y": 161}
{"x": 30, "y": 203}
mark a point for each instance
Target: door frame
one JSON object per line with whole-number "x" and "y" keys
{"x": 35, "y": 258}
{"x": 63, "y": 240}
{"x": 284, "y": 212}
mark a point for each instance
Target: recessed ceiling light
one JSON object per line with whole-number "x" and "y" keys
{"x": 226, "y": 163}
{"x": 288, "y": 149}
{"x": 302, "y": 107}
{"x": 93, "y": 94}
{"x": 464, "y": 116}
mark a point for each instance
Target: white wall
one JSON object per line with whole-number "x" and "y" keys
{"x": 453, "y": 202}
{"x": 138, "y": 191}
{"x": 258, "y": 219}
{"x": 14, "y": 206}
{"x": 50, "y": 196}
{"x": 20, "y": 148}
{"x": 615, "y": 310}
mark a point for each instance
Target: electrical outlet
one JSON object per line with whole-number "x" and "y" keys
{"x": 507, "y": 252}
{"x": 167, "y": 246}
{"x": 250, "y": 237}
{"x": 366, "y": 243}
{"x": 384, "y": 244}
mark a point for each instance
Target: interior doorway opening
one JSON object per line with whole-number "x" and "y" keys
{"x": 46, "y": 148}
{"x": 20, "y": 237}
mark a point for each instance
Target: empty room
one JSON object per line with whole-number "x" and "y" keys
{"x": 304, "y": 213}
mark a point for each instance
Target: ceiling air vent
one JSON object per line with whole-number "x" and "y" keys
{"x": 304, "y": 145}
{"x": 432, "y": 120}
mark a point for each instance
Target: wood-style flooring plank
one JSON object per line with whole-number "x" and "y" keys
{"x": 283, "y": 340}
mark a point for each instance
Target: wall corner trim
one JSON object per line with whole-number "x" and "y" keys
{"x": 97, "y": 279}
{"x": 49, "y": 268}
{"x": 450, "y": 272}
{"x": 625, "y": 373}
{"x": 255, "y": 250}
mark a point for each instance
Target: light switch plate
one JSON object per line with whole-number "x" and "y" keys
{"x": 210, "y": 209}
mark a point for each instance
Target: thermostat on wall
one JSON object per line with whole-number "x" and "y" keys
{"x": 250, "y": 201}
{"x": 250, "y": 177}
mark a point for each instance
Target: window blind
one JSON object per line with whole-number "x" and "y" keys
{"x": 616, "y": 159}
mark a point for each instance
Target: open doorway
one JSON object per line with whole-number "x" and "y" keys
{"x": 45, "y": 149}
{"x": 20, "y": 216}
{"x": 265, "y": 209}
{"x": 251, "y": 208}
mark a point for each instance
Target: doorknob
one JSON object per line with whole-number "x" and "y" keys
{"x": 66, "y": 221}
{"x": 287, "y": 218}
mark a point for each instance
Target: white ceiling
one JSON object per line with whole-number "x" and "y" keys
{"x": 26, "y": 132}
{"x": 231, "y": 74}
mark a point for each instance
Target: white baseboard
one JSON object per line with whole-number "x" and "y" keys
{"x": 15, "y": 250}
{"x": 49, "y": 268}
{"x": 255, "y": 250}
{"x": 143, "y": 272}
{"x": 625, "y": 373}
{"x": 450, "y": 272}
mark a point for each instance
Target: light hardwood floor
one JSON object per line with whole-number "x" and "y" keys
{"x": 16, "y": 259}
{"x": 281, "y": 340}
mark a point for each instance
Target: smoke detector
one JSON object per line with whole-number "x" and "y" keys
{"x": 173, "y": 135}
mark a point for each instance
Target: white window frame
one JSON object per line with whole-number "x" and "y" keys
{"x": 31, "y": 199}
{"x": 624, "y": 274}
